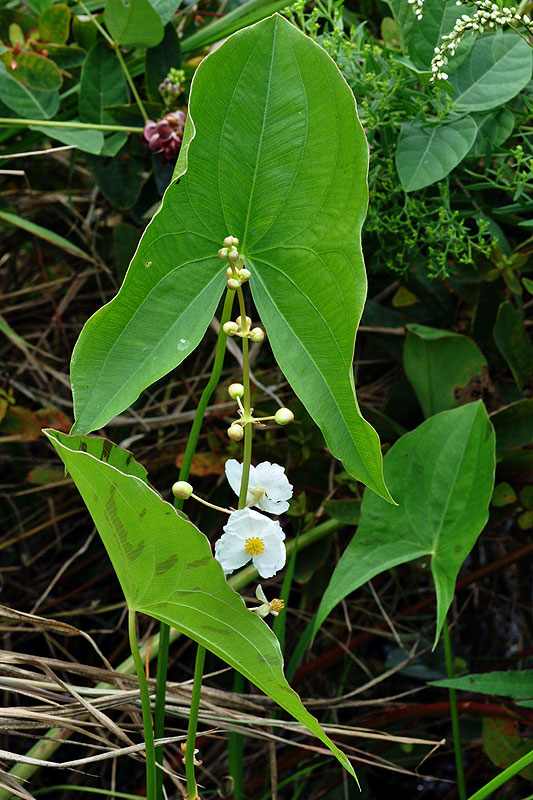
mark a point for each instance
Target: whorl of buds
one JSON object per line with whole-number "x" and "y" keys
{"x": 235, "y": 432}
{"x": 248, "y": 322}
{"x": 236, "y": 390}
{"x": 257, "y": 335}
{"x": 165, "y": 136}
{"x": 182, "y": 490}
{"x": 283, "y": 416}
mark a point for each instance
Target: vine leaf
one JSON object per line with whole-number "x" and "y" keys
{"x": 166, "y": 569}
{"x": 274, "y": 154}
{"x": 442, "y": 474}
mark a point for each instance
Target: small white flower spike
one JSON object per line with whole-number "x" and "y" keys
{"x": 247, "y": 536}
{"x": 268, "y": 486}
{"x": 273, "y": 607}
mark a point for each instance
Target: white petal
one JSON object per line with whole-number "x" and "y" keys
{"x": 230, "y": 552}
{"x": 272, "y": 559}
{"x": 245, "y": 523}
{"x": 272, "y": 507}
{"x": 259, "y": 593}
{"x": 272, "y": 478}
{"x": 234, "y": 476}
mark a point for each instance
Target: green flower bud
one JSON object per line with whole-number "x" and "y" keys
{"x": 223, "y": 253}
{"x": 235, "y": 432}
{"x": 283, "y": 416}
{"x": 230, "y": 327}
{"x": 182, "y": 490}
{"x": 230, "y": 241}
{"x": 244, "y": 275}
{"x": 236, "y": 390}
{"x": 257, "y": 334}
{"x": 234, "y": 254}
{"x": 248, "y": 322}
{"x": 233, "y": 284}
{"x": 230, "y": 272}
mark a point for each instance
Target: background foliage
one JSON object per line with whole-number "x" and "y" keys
{"x": 447, "y": 243}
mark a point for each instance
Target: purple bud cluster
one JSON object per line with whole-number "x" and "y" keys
{"x": 166, "y": 135}
{"x": 166, "y": 87}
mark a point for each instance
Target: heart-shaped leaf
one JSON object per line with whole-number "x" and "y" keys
{"x": 273, "y": 154}
{"x": 166, "y": 569}
{"x": 442, "y": 475}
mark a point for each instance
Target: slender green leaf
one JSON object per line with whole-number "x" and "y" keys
{"x": 166, "y": 570}
{"x": 43, "y": 233}
{"x": 102, "y": 84}
{"x": 8, "y": 331}
{"x": 426, "y": 154}
{"x": 496, "y": 69}
{"x": 286, "y": 174}
{"x": 87, "y": 141}
{"x": 442, "y": 475}
{"x": 518, "y": 685}
{"x": 514, "y": 344}
{"x": 26, "y": 102}
{"x": 133, "y": 22}
{"x": 54, "y": 23}
{"x": 438, "y": 364}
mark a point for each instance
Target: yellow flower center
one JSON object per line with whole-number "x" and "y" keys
{"x": 277, "y": 605}
{"x": 254, "y": 545}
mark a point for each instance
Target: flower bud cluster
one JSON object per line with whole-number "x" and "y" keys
{"x": 243, "y": 331}
{"x": 488, "y": 16}
{"x": 418, "y": 7}
{"x": 166, "y": 135}
{"x": 171, "y": 87}
{"x": 236, "y": 273}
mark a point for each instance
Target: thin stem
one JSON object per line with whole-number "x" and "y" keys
{"x": 146, "y": 709}
{"x": 132, "y": 86}
{"x": 503, "y": 777}
{"x": 461, "y": 786}
{"x": 248, "y": 429}
{"x": 89, "y": 126}
{"x": 192, "y": 792}
{"x": 164, "y": 630}
{"x": 211, "y": 505}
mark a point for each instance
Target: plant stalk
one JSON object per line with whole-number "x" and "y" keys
{"x": 248, "y": 430}
{"x": 192, "y": 791}
{"x": 88, "y": 126}
{"x": 146, "y": 709}
{"x": 192, "y": 442}
{"x": 125, "y": 70}
{"x": 461, "y": 786}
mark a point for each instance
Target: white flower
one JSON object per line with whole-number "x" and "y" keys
{"x": 268, "y": 485}
{"x": 273, "y": 606}
{"x": 250, "y": 535}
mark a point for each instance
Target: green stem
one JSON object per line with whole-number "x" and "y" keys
{"x": 461, "y": 786}
{"x": 192, "y": 792}
{"x": 164, "y": 629}
{"x": 248, "y": 430}
{"x": 146, "y": 709}
{"x": 88, "y": 126}
{"x": 503, "y": 777}
{"x": 128, "y": 77}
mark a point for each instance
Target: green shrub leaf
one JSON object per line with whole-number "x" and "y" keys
{"x": 427, "y": 153}
{"x": 102, "y": 84}
{"x": 26, "y": 102}
{"x": 135, "y": 23}
{"x": 437, "y": 364}
{"x": 54, "y": 23}
{"x": 442, "y": 475}
{"x": 166, "y": 569}
{"x": 496, "y": 69}
{"x": 286, "y": 174}
{"x": 514, "y": 344}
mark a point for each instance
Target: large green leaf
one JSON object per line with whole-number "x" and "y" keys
{"x": 87, "y": 141}
{"x": 442, "y": 475}
{"x": 496, "y": 69}
{"x": 40, "y": 74}
{"x": 133, "y": 22}
{"x": 166, "y": 569}
{"x": 275, "y": 155}
{"x": 427, "y": 153}
{"x": 26, "y": 102}
{"x": 102, "y": 84}
{"x": 438, "y": 363}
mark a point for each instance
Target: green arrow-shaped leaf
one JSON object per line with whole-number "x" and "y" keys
{"x": 442, "y": 475}
{"x": 276, "y": 156}
{"x": 166, "y": 569}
